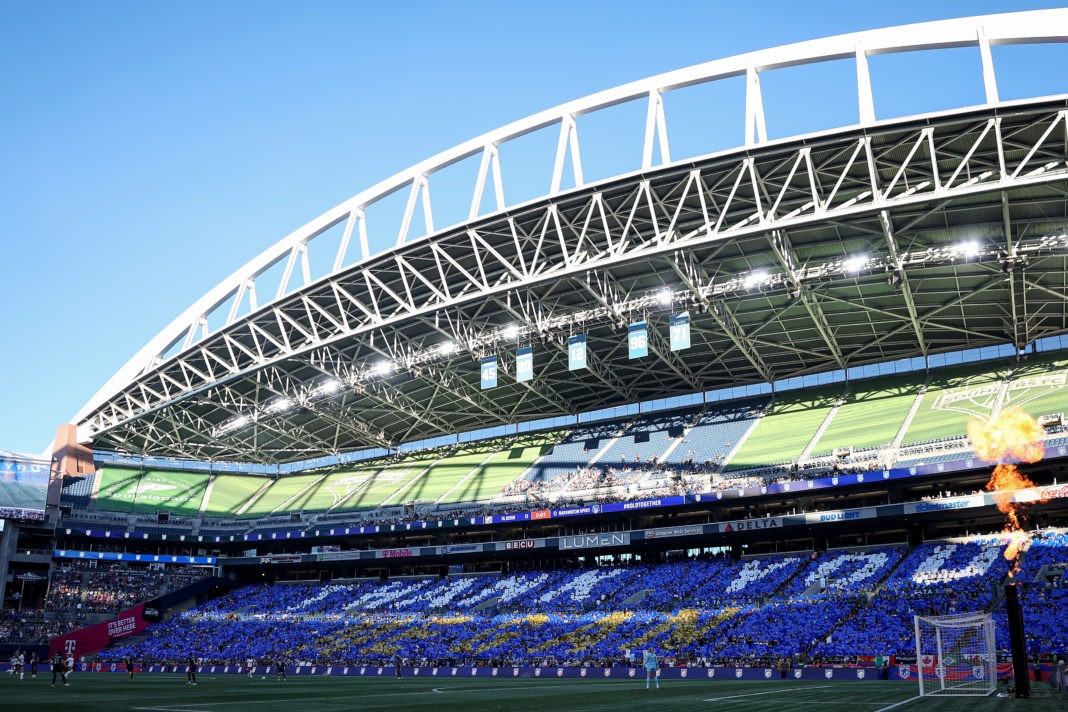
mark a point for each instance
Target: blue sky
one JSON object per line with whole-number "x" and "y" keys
{"x": 149, "y": 149}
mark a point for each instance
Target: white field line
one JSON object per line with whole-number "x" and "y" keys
{"x": 205, "y": 706}
{"x": 770, "y": 692}
{"x": 898, "y": 704}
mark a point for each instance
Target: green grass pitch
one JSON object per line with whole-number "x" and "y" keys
{"x": 114, "y": 692}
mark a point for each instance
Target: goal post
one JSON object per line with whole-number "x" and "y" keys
{"x": 955, "y": 654}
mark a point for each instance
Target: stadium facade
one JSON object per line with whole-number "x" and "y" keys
{"x": 768, "y": 353}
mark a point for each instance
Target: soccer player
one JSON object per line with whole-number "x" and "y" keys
{"x": 280, "y": 668}
{"x": 250, "y": 663}
{"x": 191, "y": 670}
{"x": 652, "y": 668}
{"x": 34, "y": 662}
{"x": 128, "y": 663}
{"x": 397, "y": 665}
{"x": 20, "y": 664}
{"x": 59, "y": 668}
{"x": 69, "y": 665}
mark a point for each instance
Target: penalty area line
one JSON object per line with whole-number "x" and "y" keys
{"x": 769, "y": 692}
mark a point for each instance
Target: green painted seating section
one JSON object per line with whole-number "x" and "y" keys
{"x": 871, "y": 416}
{"x": 283, "y": 489}
{"x": 1038, "y": 386}
{"x": 333, "y": 489}
{"x": 787, "y": 428}
{"x": 385, "y": 482}
{"x": 503, "y": 467}
{"x": 954, "y": 396}
{"x": 118, "y": 488}
{"x": 230, "y": 492}
{"x": 448, "y": 471}
{"x": 130, "y": 490}
{"x": 176, "y": 492}
{"x": 872, "y": 413}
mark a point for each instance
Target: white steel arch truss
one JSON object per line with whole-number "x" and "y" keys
{"x": 793, "y": 208}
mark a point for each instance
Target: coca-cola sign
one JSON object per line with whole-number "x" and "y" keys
{"x": 1055, "y": 492}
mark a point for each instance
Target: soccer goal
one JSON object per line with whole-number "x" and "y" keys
{"x": 955, "y": 654}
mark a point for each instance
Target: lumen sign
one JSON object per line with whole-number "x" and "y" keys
{"x": 594, "y": 541}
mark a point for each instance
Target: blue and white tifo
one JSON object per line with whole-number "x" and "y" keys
{"x": 716, "y": 404}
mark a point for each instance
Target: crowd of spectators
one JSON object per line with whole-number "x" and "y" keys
{"x": 632, "y": 478}
{"x": 829, "y": 606}
{"x": 582, "y": 478}
{"x": 599, "y": 485}
{"x": 699, "y": 611}
{"x": 78, "y": 587}
{"x": 28, "y": 627}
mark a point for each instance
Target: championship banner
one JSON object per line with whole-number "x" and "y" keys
{"x": 489, "y": 372}
{"x": 524, "y": 364}
{"x": 638, "y": 340}
{"x": 576, "y": 352}
{"x": 680, "y": 331}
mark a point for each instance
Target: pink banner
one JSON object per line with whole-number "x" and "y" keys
{"x": 88, "y": 640}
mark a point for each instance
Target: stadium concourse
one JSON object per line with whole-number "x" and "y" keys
{"x": 721, "y": 407}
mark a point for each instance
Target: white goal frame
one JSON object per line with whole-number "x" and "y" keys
{"x": 963, "y": 654}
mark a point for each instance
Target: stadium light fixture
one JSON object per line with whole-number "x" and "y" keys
{"x": 967, "y": 249}
{"x": 280, "y": 405}
{"x": 447, "y": 349}
{"x": 238, "y": 422}
{"x": 383, "y": 368}
{"x": 853, "y": 265}
{"x": 754, "y": 279}
{"x": 331, "y": 386}
{"x": 665, "y": 296}
{"x": 510, "y": 332}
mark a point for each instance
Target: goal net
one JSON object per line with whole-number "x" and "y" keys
{"x": 955, "y": 654}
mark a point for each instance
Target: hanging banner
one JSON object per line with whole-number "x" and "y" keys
{"x": 576, "y": 352}
{"x": 524, "y": 364}
{"x": 638, "y": 340}
{"x": 489, "y": 372}
{"x": 680, "y": 331}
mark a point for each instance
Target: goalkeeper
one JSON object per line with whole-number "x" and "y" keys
{"x": 652, "y": 668}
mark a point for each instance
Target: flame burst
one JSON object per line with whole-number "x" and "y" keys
{"x": 1010, "y": 437}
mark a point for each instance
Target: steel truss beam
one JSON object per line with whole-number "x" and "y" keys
{"x": 870, "y": 180}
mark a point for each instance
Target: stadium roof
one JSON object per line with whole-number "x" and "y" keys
{"x": 883, "y": 240}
